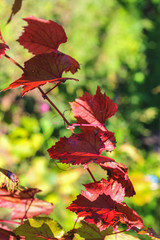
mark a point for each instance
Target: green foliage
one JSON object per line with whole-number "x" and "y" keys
{"x": 40, "y": 228}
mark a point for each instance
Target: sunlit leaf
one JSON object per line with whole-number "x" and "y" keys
{"x": 42, "y": 36}
{"x": 40, "y": 228}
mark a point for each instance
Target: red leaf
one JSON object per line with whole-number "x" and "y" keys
{"x": 99, "y": 212}
{"x": 107, "y": 187}
{"x": 93, "y": 110}
{"x": 42, "y": 36}
{"x": 118, "y": 172}
{"x": 82, "y": 148}
{"x": 6, "y": 234}
{"x": 131, "y": 218}
{"x": 43, "y": 68}
{"x": 3, "y": 46}
{"x": 23, "y": 204}
{"x": 104, "y": 212}
{"x": 15, "y": 8}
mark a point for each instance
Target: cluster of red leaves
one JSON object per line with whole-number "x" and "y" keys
{"x": 42, "y": 38}
{"x": 102, "y": 202}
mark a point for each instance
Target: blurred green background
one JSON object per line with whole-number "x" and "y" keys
{"x": 117, "y": 44}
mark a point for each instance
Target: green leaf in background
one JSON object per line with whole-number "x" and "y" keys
{"x": 40, "y": 228}
{"x": 91, "y": 232}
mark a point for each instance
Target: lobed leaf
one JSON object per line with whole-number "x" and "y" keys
{"x": 42, "y": 36}
{"x": 82, "y": 148}
{"x": 94, "y": 110}
{"x": 24, "y": 204}
{"x": 105, "y": 212}
{"x": 91, "y": 232}
{"x": 108, "y": 187}
{"x": 40, "y": 228}
{"x": 118, "y": 172}
{"x": 43, "y": 68}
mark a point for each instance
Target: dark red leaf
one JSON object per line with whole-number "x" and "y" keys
{"x": 6, "y": 233}
{"x": 42, "y": 36}
{"x": 24, "y": 204}
{"x": 93, "y": 110}
{"x": 82, "y": 148}
{"x": 3, "y": 46}
{"x": 43, "y": 68}
{"x": 104, "y": 212}
{"x": 15, "y": 8}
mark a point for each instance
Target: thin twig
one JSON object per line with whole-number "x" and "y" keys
{"x": 13, "y": 61}
{"x": 10, "y": 222}
{"x": 53, "y": 105}
{"x": 44, "y": 94}
{"x": 53, "y": 88}
{"x": 91, "y": 174}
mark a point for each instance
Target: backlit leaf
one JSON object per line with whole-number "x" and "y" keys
{"x": 118, "y": 172}
{"x": 94, "y": 110}
{"x": 91, "y": 232}
{"x": 40, "y": 228}
{"x": 82, "y": 148}
{"x": 24, "y": 204}
{"x": 104, "y": 212}
{"x": 43, "y": 68}
{"x": 107, "y": 187}
{"x": 42, "y": 36}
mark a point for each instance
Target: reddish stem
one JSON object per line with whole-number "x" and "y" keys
{"x": 11, "y": 222}
{"x": 44, "y": 94}
{"x": 53, "y": 105}
{"x": 53, "y": 88}
{"x": 13, "y": 61}
{"x": 91, "y": 174}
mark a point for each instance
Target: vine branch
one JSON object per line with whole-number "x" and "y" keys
{"x": 91, "y": 174}
{"x": 44, "y": 95}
